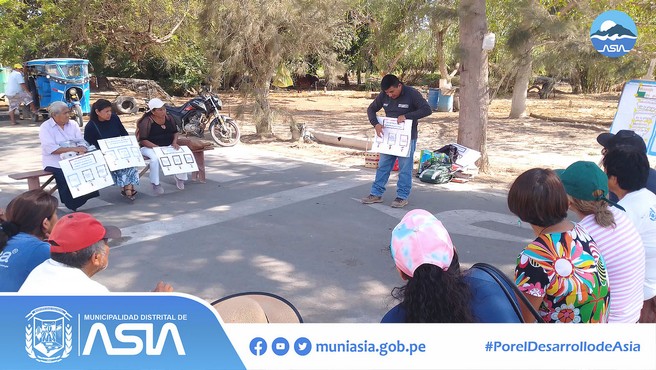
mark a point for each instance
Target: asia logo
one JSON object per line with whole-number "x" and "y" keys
{"x": 613, "y": 33}
{"x": 48, "y": 334}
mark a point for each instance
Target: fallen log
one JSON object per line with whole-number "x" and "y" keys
{"x": 569, "y": 120}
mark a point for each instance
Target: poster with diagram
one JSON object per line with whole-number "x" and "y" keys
{"x": 396, "y": 137}
{"x": 121, "y": 152}
{"x": 86, "y": 173}
{"x": 636, "y": 111}
{"x": 175, "y": 161}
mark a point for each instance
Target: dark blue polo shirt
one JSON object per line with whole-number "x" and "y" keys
{"x": 410, "y": 104}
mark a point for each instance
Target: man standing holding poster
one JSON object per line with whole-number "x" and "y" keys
{"x": 400, "y": 102}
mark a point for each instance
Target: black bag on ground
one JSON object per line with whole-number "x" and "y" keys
{"x": 451, "y": 152}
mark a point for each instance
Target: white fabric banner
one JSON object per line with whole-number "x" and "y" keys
{"x": 176, "y": 161}
{"x": 121, "y": 152}
{"x": 86, "y": 173}
{"x": 396, "y": 137}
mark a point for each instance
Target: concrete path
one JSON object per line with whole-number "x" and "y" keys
{"x": 263, "y": 222}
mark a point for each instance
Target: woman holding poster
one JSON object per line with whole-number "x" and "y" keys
{"x": 156, "y": 128}
{"x": 103, "y": 124}
{"x": 59, "y": 135}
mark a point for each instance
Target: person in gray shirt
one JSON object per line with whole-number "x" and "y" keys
{"x": 403, "y": 103}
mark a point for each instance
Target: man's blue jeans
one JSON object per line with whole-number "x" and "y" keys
{"x": 385, "y": 165}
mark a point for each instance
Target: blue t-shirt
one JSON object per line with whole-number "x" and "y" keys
{"x": 488, "y": 304}
{"x": 20, "y": 256}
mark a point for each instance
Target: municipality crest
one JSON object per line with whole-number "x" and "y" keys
{"x": 48, "y": 334}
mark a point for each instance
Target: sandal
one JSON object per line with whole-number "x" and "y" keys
{"x": 129, "y": 193}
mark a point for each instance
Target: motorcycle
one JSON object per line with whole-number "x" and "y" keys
{"x": 195, "y": 115}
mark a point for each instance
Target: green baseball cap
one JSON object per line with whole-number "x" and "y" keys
{"x": 583, "y": 180}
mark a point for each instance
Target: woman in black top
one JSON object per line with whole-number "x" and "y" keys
{"x": 103, "y": 124}
{"x": 156, "y": 128}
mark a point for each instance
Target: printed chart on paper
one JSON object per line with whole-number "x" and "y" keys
{"x": 174, "y": 161}
{"x": 86, "y": 173}
{"x": 396, "y": 137}
{"x": 636, "y": 111}
{"x": 121, "y": 152}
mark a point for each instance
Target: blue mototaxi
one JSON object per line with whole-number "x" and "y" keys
{"x": 60, "y": 79}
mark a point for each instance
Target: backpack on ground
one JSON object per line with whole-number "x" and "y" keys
{"x": 436, "y": 170}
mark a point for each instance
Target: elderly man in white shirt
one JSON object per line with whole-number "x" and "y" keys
{"x": 59, "y": 135}
{"x": 78, "y": 251}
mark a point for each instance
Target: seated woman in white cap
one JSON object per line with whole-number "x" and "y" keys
{"x": 156, "y": 128}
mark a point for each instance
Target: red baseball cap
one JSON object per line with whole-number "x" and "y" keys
{"x": 77, "y": 231}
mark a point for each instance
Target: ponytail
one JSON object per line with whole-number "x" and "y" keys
{"x": 7, "y": 230}
{"x": 599, "y": 208}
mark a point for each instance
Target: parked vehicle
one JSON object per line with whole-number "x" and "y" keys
{"x": 195, "y": 115}
{"x": 60, "y": 79}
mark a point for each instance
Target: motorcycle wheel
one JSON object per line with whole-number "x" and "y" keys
{"x": 226, "y": 134}
{"x": 78, "y": 115}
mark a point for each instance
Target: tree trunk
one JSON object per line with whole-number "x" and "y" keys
{"x": 474, "y": 96}
{"x": 439, "y": 48}
{"x": 522, "y": 77}
{"x": 359, "y": 77}
{"x": 263, "y": 125}
{"x": 347, "y": 83}
{"x": 520, "y": 89}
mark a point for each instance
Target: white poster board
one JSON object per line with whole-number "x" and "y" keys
{"x": 175, "y": 161}
{"x": 467, "y": 157}
{"x": 121, "y": 152}
{"x": 396, "y": 137}
{"x": 86, "y": 173}
{"x": 636, "y": 111}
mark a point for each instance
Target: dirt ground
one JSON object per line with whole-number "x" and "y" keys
{"x": 514, "y": 145}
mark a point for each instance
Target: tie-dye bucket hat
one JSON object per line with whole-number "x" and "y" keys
{"x": 418, "y": 239}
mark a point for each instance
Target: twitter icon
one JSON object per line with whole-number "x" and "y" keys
{"x": 302, "y": 346}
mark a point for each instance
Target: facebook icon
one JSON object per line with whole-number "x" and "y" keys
{"x": 258, "y": 346}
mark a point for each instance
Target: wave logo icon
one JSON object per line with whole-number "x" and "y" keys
{"x": 613, "y": 33}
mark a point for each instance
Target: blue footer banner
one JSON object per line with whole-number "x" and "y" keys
{"x": 121, "y": 331}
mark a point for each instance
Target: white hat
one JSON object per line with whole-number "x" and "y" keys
{"x": 155, "y": 103}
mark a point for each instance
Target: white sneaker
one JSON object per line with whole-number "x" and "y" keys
{"x": 158, "y": 189}
{"x": 179, "y": 183}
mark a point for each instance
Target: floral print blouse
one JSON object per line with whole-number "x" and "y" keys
{"x": 568, "y": 271}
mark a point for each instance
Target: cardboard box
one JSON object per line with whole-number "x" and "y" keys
{"x": 371, "y": 159}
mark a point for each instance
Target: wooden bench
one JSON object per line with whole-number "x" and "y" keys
{"x": 34, "y": 179}
{"x": 199, "y": 155}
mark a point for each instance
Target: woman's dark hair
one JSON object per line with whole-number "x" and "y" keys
{"x": 99, "y": 104}
{"x": 538, "y": 197}
{"x": 433, "y": 295}
{"x": 7, "y": 230}
{"x": 28, "y": 210}
{"x": 629, "y": 165}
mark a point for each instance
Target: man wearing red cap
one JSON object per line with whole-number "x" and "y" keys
{"x": 78, "y": 251}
